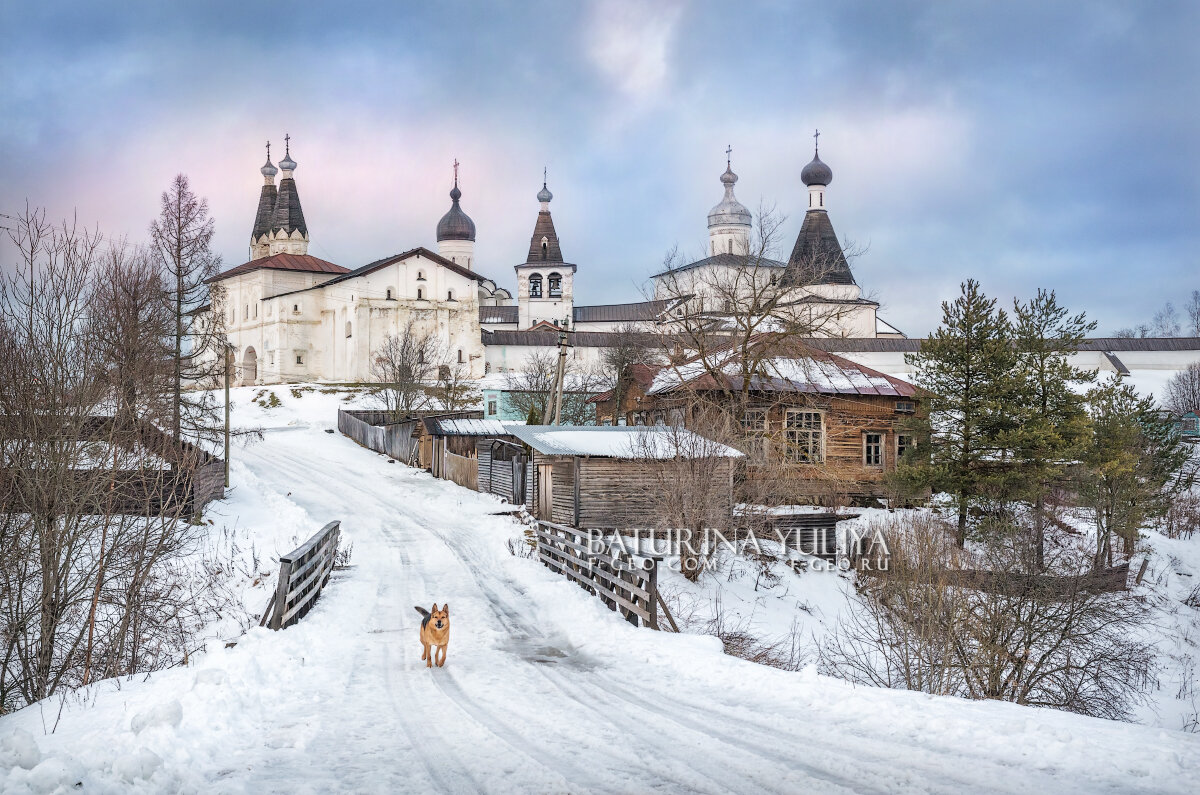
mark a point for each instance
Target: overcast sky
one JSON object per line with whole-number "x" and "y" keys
{"x": 1024, "y": 144}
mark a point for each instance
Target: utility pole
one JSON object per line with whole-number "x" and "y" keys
{"x": 228, "y": 368}
{"x": 558, "y": 381}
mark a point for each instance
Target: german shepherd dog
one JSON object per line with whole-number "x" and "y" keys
{"x": 435, "y": 631}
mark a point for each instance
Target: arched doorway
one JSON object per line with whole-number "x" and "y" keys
{"x": 249, "y": 367}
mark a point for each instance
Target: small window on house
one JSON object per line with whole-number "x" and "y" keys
{"x": 349, "y": 330}
{"x": 460, "y": 356}
{"x": 774, "y": 278}
{"x": 729, "y": 245}
{"x": 389, "y": 294}
{"x": 873, "y": 449}
{"x": 606, "y": 421}
{"x": 535, "y": 286}
{"x": 554, "y": 283}
{"x": 420, "y": 357}
{"x": 803, "y": 432}
{"x": 905, "y": 407}
{"x": 491, "y": 406}
{"x": 904, "y": 443}
{"x": 420, "y": 276}
{"x": 299, "y": 358}
{"x": 420, "y": 294}
{"x": 449, "y": 295}
{"x": 246, "y": 312}
{"x": 256, "y": 311}
{"x": 296, "y": 308}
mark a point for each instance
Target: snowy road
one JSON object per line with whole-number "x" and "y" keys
{"x": 544, "y": 689}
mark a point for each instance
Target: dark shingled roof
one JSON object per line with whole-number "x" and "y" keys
{"x": 728, "y": 260}
{"x": 817, "y": 257}
{"x": 1102, "y": 344}
{"x": 499, "y": 314}
{"x": 288, "y": 216}
{"x": 282, "y": 262}
{"x": 544, "y": 228}
{"x": 588, "y": 339}
{"x": 266, "y": 208}
{"x": 615, "y": 313}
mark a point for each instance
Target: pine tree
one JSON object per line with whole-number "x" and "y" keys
{"x": 1135, "y": 464}
{"x": 1053, "y": 423}
{"x": 966, "y": 370}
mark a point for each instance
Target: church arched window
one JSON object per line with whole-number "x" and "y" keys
{"x": 545, "y": 248}
{"x": 449, "y": 295}
{"x": 554, "y": 283}
{"x": 535, "y": 286}
{"x": 460, "y": 356}
{"x": 420, "y": 276}
{"x": 389, "y": 294}
{"x": 420, "y": 294}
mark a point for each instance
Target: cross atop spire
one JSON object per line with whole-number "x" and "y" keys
{"x": 816, "y": 141}
{"x": 287, "y": 145}
{"x": 728, "y": 155}
{"x": 544, "y": 172}
{"x": 456, "y": 172}
{"x": 268, "y": 150}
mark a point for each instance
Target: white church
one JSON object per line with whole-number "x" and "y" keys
{"x": 293, "y": 317}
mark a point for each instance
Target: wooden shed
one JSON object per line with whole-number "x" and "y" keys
{"x": 602, "y": 476}
{"x": 453, "y": 447}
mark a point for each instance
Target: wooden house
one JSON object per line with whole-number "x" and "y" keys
{"x": 824, "y": 428}
{"x": 600, "y": 477}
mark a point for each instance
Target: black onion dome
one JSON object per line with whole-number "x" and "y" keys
{"x": 455, "y": 224}
{"x": 816, "y": 173}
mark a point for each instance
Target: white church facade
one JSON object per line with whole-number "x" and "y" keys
{"x": 291, "y": 316}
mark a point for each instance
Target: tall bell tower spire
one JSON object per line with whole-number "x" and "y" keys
{"x": 260, "y": 235}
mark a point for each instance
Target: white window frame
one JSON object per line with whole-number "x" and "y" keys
{"x": 792, "y": 434}
{"x": 878, "y": 450}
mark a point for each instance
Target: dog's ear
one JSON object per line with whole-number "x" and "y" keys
{"x": 446, "y": 609}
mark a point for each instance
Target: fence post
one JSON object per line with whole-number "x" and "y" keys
{"x": 652, "y": 590}
{"x": 281, "y": 593}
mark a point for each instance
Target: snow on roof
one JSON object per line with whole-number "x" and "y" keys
{"x": 884, "y": 327}
{"x": 615, "y": 441}
{"x": 818, "y": 372}
{"x": 470, "y": 427}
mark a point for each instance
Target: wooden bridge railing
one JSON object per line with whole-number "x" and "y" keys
{"x": 303, "y": 572}
{"x": 625, "y": 582}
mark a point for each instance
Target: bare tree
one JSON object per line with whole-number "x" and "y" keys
{"x": 723, "y": 306}
{"x": 687, "y": 493}
{"x": 1192, "y": 307}
{"x": 529, "y": 391}
{"x": 181, "y": 236}
{"x": 1050, "y": 641}
{"x": 455, "y": 390}
{"x": 1166, "y": 322}
{"x": 405, "y": 365}
{"x": 1182, "y": 393}
{"x": 626, "y": 348}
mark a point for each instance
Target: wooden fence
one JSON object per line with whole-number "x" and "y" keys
{"x": 460, "y": 469}
{"x": 371, "y": 430}
{"x": 303, "y": 572}
{"x": 626, "y": 583}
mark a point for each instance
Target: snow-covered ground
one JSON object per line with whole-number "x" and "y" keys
{"x": 544, "y": 690}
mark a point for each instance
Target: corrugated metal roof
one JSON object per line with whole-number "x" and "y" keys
{"x": 616, "y": 441}
{"x": 613, "y": 313}
{"x": 466, "y": 427}
{"x": 499, "y": 314}
{"x": 727, "y": 260}
{"x": 549, "y": 339}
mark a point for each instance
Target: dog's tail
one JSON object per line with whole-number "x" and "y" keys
{"x": 423, "y": 612}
